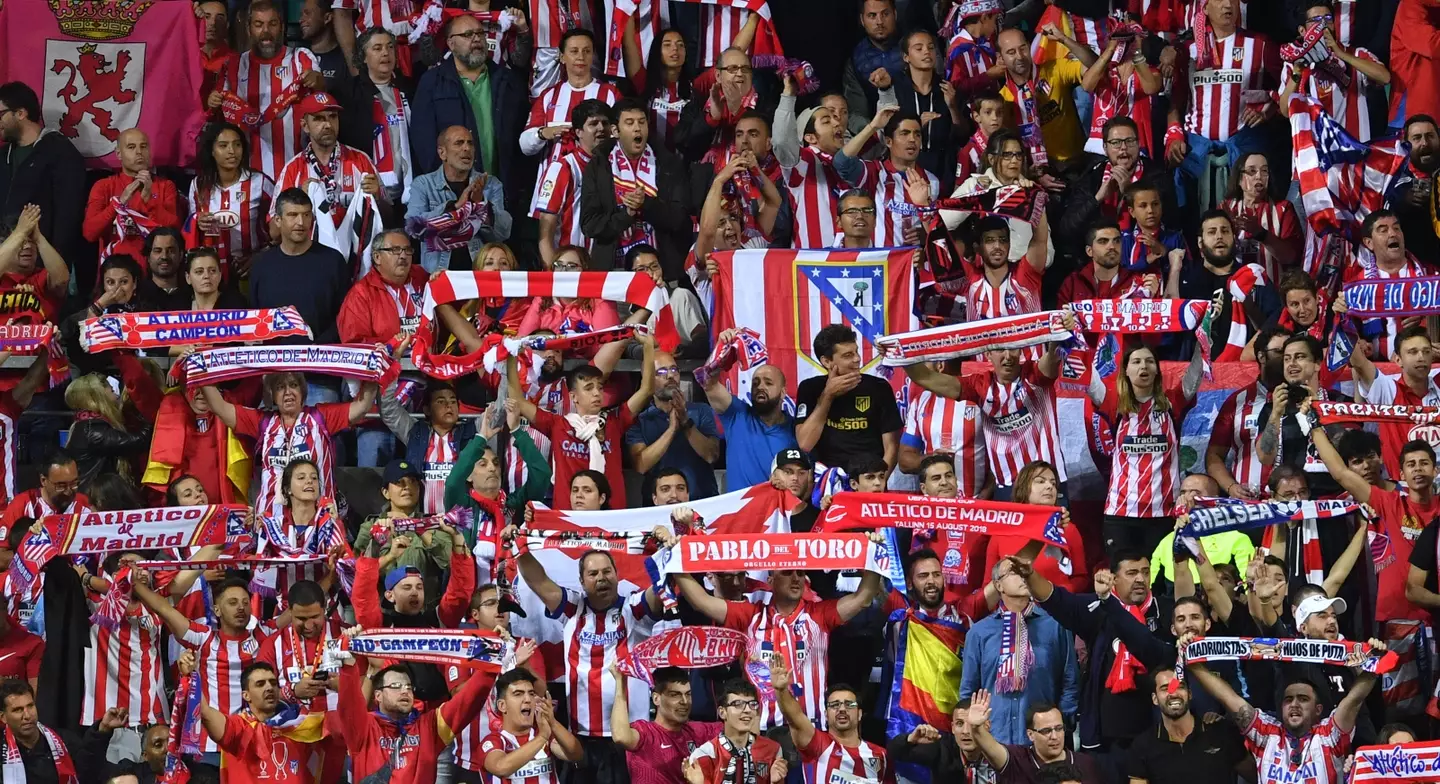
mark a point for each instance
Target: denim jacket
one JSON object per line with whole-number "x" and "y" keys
{"x": 429, "y": 195}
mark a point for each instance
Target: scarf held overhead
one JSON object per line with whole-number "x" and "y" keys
{"x": 1339, "y": 653}
{"x": 189, "y": 327}
{"x": 1392, "y": 298}
{"x": 361, "y": 362}
{"x": 1360, "y": 413}
{"x": 474, "y": 648}
{"x": 689, "y": 647}
{"x": 812, "y": 551}
{"x": 959, "y": 515}
{"x": 134, "y": 529}
{"x": 973, "y": 337}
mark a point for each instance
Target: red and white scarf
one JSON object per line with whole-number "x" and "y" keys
{"x": 25, "y": 338}
{"x": 1028, "y": 120}
{"x": 450, "y": 230}
{"x": 360, "y": 362}
{"x": 394, "y": 169}
{"x": 12, "y": 768}
{"x": 690, "y": 647}
{"x": 189, "y": 327}
{"x": 1126, "y": 666}
{"x": 973, "y": 337}
{"x": 630, "y": 176}
{"x": 1016, "y": 655}
{"x": 234, "y": 109}
{"x": 128, "y": 223}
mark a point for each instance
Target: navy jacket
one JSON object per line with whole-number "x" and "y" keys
{"x": 419, "y": 439}
{"x": 441, "y": 101}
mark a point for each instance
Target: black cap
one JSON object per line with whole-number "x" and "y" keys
{"x": 398, "y": 469}
{"x": 792, "y": 456}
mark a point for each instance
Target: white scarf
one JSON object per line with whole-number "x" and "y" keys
{"x": 343, "y": 237}
{"x": 590, "y": 428}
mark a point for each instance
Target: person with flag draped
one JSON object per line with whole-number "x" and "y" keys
{"x": 126, "y": 206}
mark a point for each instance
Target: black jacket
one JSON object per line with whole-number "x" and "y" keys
{"x": 604, "y": 220}
{"x": 358, "y": 128}
{"x": 693, "y": 135}
{"x": 53, "y": 178}
{"x": 441, "y": 101}
{"x": 97, "y": 445}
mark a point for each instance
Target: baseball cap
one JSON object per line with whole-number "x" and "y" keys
{"x": 314, "y": 103}
{"x": 400, "y": 573}
{"x": 398, "y": 469}
{"x": 802, "y": 121}
{"x": 791, "y": 456}
{"x": 1316, "y": 604}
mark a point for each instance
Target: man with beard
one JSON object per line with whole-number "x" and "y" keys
{"x": 1182, "y": 747}
{"x": 1113, "y": 710}
{"x": 135, "y": 189}
{"x": 317, "y": 28}
{"x": 675, "y": 433}
{"x": 263, "y": 739}
{"x": 41, "y": 167}
{"x": 163, "y": 289}
{"x": 1414, "y": 188}
{"x": 634, "y": 192}
{"x": 1022, "y": 763}
{"x": 260, "y": 78}
{"x": 945, "y": 756}
{"x": 456, "y": 183}
{"x": 654, "y": 750}
{"x": 1245, "y": 296}
{"x": 1237, "y": 426}
{"x": 1299, "y": 739}
{"x": 755, "y": 430}
{"x": 1103, "y": 277}
{"x": 1000, "y": 287}
{"x": 1383, "y": 236}
{"x": 837, "y": 752}
{"x": 343, "y": 172}
{"x": 805, "y": 148}
{"x": 889, "y": 179}
{"x": 1415, "y": 354}
{"x": 468, "y": 90}
{"x": 557, "y": 205}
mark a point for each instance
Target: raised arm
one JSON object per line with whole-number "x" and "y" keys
{"x": 1220, "y": 602}
{"x": 641, "y": 399}
{"x": 942, "y": 384}
{"x": 1049, "y": 364}
{"x": 539, "y": 582}
{"x": 1242, "y": 711}
{"x": 1353, "y": 482}
{"x": 851, "y": 604}
{"x": 1083, "y": 53}
{"x": 363, "y": 402}
{"x": 512, "y": 381}
{"x": 222, "y": 407}
{"x": 1340, "y": 570}
{"x": 621, "y": 732}
{"x": 979, "y": 720}
{"x": 715, "y": 392}
{"x": 1037, "y": 253}
{"x": 173, "y": 619}
{"x": 802, "y": 730}
{"x": 1349, "y": 707}
{"x": 712, "y": 607}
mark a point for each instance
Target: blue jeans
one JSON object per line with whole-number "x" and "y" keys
{"x": 1247, "y": 140}
{"x": 315, "y": 394}
{"x": 374, "y": 447}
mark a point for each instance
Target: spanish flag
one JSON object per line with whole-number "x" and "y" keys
{"x": 174, "y": 425}
{"x": 926, "y": 682}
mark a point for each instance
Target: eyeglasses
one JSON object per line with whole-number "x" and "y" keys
{"x": 1256, "y": 172}
{"x": 667, "y": 371}
{"x": 1011, "y": 155}
{"x": 566, "y": 266}
{"x": 1048, "y": 731}
{"x": 1129, "y": 141}
{"x": 63, "y": 487}
{"x": 398, "y": 250}
{"x": 736, "y": 70}
{"x": 647, "y": 268}
{"x": 399, "y": 687}
{"x": 743, "y": 704}
{"x": 473, "y": 35}
{"x": 856, "y": 212}
{"x": 1321, "y": 18}
{"x": 838, "y": 704}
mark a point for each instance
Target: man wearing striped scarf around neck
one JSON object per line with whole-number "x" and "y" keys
{"x": 1247, "y": 300}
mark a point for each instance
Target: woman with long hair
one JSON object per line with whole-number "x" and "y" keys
{"x": 291, "y": 530}
{"x": 1267, "y": 230}
{"x": 921, "y": 88}
{"x": 1145, "y": 415}
{"x": 664, "y": 80}
{"x": 229, "y": 202}
{"x": 1039, "y": 483}
{"x": 428, "y": 550}
{"x": 1007, "y": 162}
{"x": 99, "y": 438}
{"x": 563, "y": 315}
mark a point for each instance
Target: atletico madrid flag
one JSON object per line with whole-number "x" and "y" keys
{"x": 788, "y": 296}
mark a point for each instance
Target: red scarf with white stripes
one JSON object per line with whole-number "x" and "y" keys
{"x": 630, "y": 176}
{"x": 1126, "y": 666}
{"x": 128, "y": 223}
{"x": 1029, "y": 120}
{"x": 1112, "y": 204}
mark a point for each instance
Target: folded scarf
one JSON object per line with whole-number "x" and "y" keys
{"x": 453, "y": 229}
{"x": 218, "y": 365}
{"x": 627, "y": 177}
{"x": 689, "y": 647}
{"x": 1392, "y": 298}
{"x": 590, "y": 428}
{"x": 129, "y": 223}
{"x": 1016, "y": 655}
{"x": 584, "y": 540}
{"x": 12, "y": 767}
{"x": 1126, "y": 666}
{"x": 189, "y": 327}
{"x": 477, "y": 649}
{"x": 235, "y": 110}
{"x": 973, "y": 337}
{"x": 184, "y": 735}
{"x": 1209, "y": 649}
{"x": 25, "y": 338}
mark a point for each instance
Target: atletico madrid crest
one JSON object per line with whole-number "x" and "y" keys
{"x": 852, "y": 293}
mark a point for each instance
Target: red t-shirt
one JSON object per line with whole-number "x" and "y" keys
{"x": 253, "y": 753}
{"x": 21, "y": 654}
{"x": 1399, "y": 521}
{"x": 657, "y": 755}
{"x": 572, "y": 455}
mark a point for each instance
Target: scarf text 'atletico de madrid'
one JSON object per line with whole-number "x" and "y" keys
{"x": 961, "y": 515}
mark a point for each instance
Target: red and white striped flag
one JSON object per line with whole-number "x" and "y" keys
{"x": 1341, "y": 180}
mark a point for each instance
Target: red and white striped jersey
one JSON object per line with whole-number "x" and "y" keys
{"x": 713, "y": 759}
{"x": 1345, "y": 103}
{"x": 393, "y": 15}
{"x": 440, "y": 454}
{"x": 1247, "y": 66}
{"x": 551, "y": 19}
{"x": 516, "y": 472}
{"x": 1384, "y": 344}
{"x": 1020, "y": 419}
{"x": 1019, "y": 294}
{"x": 539, "y": 770}
{"x": 665, "y": 109}
{"x": 553, "y": 397}
{"x": 825, "y": 760}
{"x": 1116, "y": 99}
{"x": 559, "y": 195}
{"x": 971, "y": 158}
{"x": 800, "y": 639}
{"x": 295, "y": 657}
{"x": 259, "y": 82}
{"x": 309, "y": 437}
{"x": 1276, "y": 217}
{"x": 122, "y": 670}
{"x": 1318, "y": 760}
{"x": 1344, "y": 22}
{"x": 888, "y": 185}
{"x": 938, "y": 424}
{"x": 719, "y": 25}
{"x": 966, "y": 59}
{"x": 1237, "y": 428}
{"x": 815, "y": 188}
{"x": 593, "y": 641}
{"x": 221, "y": 660}
{"x": 553, "y": 107}
{"x": 1145, "y": 468}
{"x": 353, "y": 166}
{"x": 244, "y": 208}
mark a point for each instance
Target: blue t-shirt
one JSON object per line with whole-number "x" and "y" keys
{"x": 751, "y": 445}
{"x": 699, "y": 475}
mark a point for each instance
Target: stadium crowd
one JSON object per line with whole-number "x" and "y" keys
{"x": 1252, "y": 165}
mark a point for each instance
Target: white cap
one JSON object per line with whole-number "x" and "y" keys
{"x": 1317, "y": 604}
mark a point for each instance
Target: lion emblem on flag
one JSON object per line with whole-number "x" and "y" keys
{"x": 93, "y": 91}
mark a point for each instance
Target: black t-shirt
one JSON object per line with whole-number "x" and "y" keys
{"x": 1210, "y": 754}
{"x": 334, "y": 69}
{"x": 1198, "y": 282}
{"x": 856, "y": 421}
{"x": 1423, "y": 557}
{"x": 315, "y": 282}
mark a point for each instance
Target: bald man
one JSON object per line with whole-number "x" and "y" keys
{"x": 756, "y": 429}
{"x": 675, "y": 433}
{"x": 458, "y": 181}
{"x": 149, "y": 202}
{"x": 1042, "y": 99}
